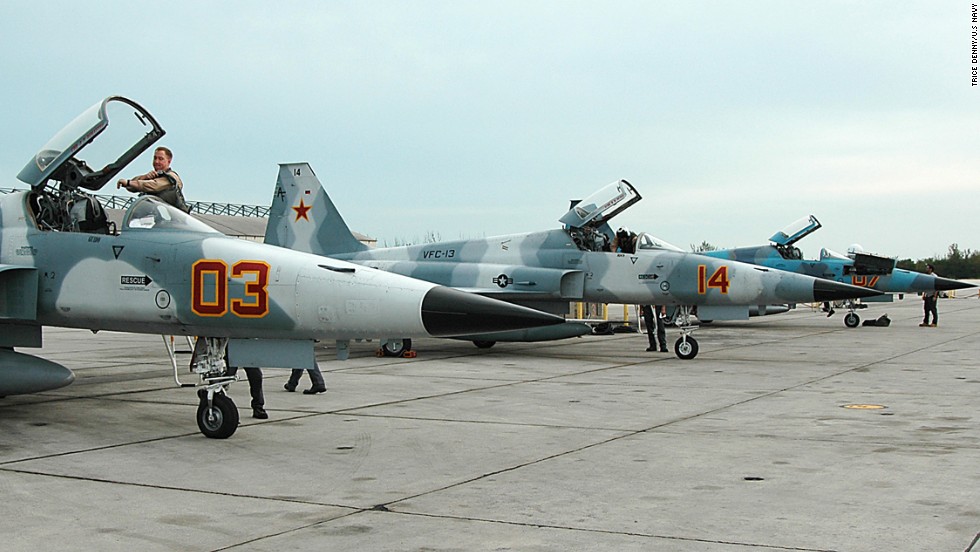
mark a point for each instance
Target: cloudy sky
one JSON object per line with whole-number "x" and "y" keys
{"x": 471, "y": 119}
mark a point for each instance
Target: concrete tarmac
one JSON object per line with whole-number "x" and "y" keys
{"x": 789, "y": 432}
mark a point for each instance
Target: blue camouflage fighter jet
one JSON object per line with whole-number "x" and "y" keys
{"x": 856, "y": 268}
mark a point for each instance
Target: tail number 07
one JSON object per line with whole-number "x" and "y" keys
{"x": 209, "y": 288}
{"x": 718, "y": 279}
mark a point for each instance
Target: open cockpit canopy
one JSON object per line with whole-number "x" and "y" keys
{"x": 601, "y": 206}
{"x": 110, "y": 149}
{"x": 796, "y": 231}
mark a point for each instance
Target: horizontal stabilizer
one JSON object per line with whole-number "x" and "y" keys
{"x": 531, "y": 335}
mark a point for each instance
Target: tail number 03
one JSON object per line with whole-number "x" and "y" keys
{"x": 718, "y": 279}
{"x": 209, "y": 288}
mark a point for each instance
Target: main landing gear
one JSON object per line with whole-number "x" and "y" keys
{"x": 217, "y": 415}
{"x": 396, "y": 348}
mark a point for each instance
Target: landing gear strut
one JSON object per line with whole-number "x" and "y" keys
{"x": 217, "y": 415}
{"x": 686, "y": 347}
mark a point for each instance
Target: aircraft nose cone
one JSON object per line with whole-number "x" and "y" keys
{"x": 447, "y": 312}
{"x": 947, "y": 284}
{"x": 829, "y": 290}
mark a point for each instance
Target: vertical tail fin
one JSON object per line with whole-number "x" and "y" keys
{"x": 303, "y": 218}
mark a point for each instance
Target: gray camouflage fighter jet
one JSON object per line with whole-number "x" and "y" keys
{"x": 546, "y": 270}
{"x": 165, "y": 272}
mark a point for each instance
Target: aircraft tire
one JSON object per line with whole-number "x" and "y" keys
{"x": 220, "y": 420}
{"x": 396, "y": 347}
{"x": 484, "y": 344}
{"x": 603, "y": 328}
{"x": 686, "y": 350}
{"x": 852, "y": 320}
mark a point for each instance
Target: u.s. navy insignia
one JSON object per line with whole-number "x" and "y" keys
{"x": 503, "y": 281}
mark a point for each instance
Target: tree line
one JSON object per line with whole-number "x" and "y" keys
{"x": 955, "y": 264}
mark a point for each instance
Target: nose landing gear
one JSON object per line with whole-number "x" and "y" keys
{"x": 217, "y": 415}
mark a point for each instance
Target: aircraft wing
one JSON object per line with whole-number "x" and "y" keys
{"x": 512, "y": 295}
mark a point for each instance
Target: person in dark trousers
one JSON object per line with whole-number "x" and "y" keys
{"x": 653, "y": 318}
{"x": 254, "y": 376}
{"x": 929, "y": 303}
{"x": 315, "y": 376}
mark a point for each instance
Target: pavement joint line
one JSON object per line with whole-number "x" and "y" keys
{"x": 4, "y": 466}
{"x": 609, "y": 532}
{"x": 178, "y": 489}
{"x": 511, "y": 383}
{"x": 664, "y": 424}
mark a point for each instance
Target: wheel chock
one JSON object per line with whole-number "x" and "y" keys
{"x": 409, "y": 354}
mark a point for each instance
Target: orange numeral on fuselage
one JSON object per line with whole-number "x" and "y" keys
{"x": 254, "y": 304}
{"x": 864, "y": 281}
{"x": 718, "y": 279}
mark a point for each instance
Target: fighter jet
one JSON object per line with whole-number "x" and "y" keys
{"x": 857, "y": 267}
{"x": 547, "y": 270}
{"x": 165, "y": 272}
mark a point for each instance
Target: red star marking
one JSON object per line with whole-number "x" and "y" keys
{"x": 302, "y": 210}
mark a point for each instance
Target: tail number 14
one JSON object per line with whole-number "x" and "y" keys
{"x": 718, "y": 279}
